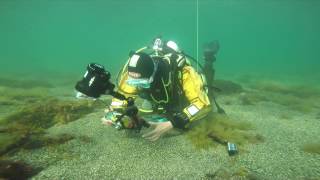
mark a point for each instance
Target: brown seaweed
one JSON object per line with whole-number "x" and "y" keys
{"x": 219, "y": 129}
{"x": 25, "y": 84}
{"x": 294, "y": 103}
{"x": 227, "y": 87}
{"x": 313, "y": 148}
{"x": 23, "y": 127}
{"x": 232, "y": 173}
{"x": 17, "y": 170}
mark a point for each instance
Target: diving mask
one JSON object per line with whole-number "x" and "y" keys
{"x": 139, "y": 83}
{"x": 143, "y": 83}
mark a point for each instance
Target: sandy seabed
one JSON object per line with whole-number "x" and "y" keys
{"x": 110, "y": 154}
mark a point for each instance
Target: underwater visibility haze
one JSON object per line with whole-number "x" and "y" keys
{"x": 256, "y": 36}
{"x": 267, "y": 69}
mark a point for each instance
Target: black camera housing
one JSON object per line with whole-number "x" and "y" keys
{"x": 95, "y": 82}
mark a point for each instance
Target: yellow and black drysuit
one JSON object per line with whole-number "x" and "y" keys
{"x": 176, "y": 87}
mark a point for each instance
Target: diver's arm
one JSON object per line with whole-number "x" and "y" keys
{"x": 117, "y": 106}
{"x": 124, "y": 89}
{"x": 199, "y": 106}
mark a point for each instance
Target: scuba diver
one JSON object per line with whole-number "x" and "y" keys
{"x": 209, "y": 54}
{"x": 163, "y": 76}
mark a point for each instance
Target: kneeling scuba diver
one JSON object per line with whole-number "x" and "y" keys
{"x": 164, "y": 77}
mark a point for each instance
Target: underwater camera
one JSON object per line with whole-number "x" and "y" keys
{"x": 95, "y": 82}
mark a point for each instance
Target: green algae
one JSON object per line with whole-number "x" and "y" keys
{"x": 23, "y": 83}
{"x": 223, "y": 129}
{"x": 48, "y": 113}
{"x": 17, "y": 170}
{"x": 8, "y": 141}
{"x": 232, "y": 173}
{"x": 295, "y": 103}
{"x": 17, "y": 97}
{"x": 285, "y": 116}
{"x": 299, "y": 91}
{"x": 227, "y": 87}
{"x": 313, "y": 148}
{"x": 36, "y": 142}
{"x": 300, "y": 98}
{"x": 28, "y": 111}
{"x": 252, "y": 98}
{"x": 29, "y": 123}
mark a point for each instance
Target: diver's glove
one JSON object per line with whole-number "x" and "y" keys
{"x": 179, "y": 120}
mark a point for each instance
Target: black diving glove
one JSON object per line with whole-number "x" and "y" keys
{"x": 179, "y": 120}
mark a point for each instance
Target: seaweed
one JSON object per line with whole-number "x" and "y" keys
{"x": 50, "y": 112}
{"x": 252, "y": 98}
{"x": 232, "y": 173}
{"x": 299, "y": 98}
{"x": 313, "y": 148}
{"x": 219, "y": 129}
{"x": 85, "y": 139}
{"x": 299, "y": 91}
{"x": 221, "y": 173}
{"x": 17, "y": 170}
{"x": 10, "y": 142}
{"x": 227, "y": 87}
{"x": 303, "y": 105}
{"x": 246, "y": 78}
{"x": 241, "y": 172}
{"x": 19, "y": 97}
{"x": 285, "y": 116}
{"x": 36, "y": 142}
{"x": 25, "y": 84}
{"x": 30, "y": 123}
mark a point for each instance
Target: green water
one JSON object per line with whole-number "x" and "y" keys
{"x": 264, "y": 45}
{"x": 274, "y": 38}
